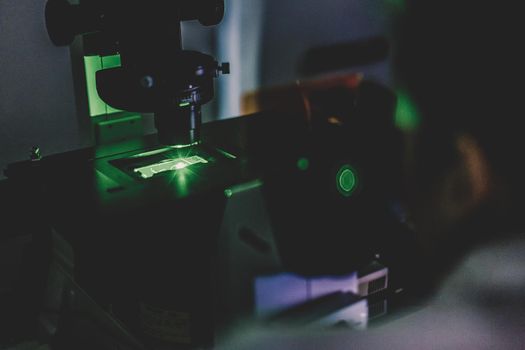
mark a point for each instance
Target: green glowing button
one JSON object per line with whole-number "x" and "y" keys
{"x": 168, "y": 165}
{"x": 303, "y": 164}
{"x": 346, "y": 180}
{"x": 406, "y": 116}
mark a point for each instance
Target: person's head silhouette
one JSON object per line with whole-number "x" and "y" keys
{"x": 461, "y": 63}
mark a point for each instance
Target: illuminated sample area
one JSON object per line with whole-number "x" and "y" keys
{"x": 346, "y": 180}
{"x": 162, "y": 150}
{"x": 149, "y": 171}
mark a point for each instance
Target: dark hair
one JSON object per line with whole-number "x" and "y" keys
{"x": 462, "y": 63}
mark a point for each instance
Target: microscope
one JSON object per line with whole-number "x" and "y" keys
{"x": 156, "y": 74}
{"x": 169, "y": 232}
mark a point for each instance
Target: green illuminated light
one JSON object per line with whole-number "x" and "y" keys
{"x": 180, "y": 165}
{"x": 346, "y": 180}
{"x": 184, "y": 104}
{"x": 168, "y": 165}
{"x": 96, "y": 106}
{"x": 406, "y": 116}
{"x": 111, "y": 62}
{"x": 181, "y": 183}
{"x": 303, "y": 164}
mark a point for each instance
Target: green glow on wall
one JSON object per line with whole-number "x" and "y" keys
{"x": 93, "y": 64}
{"x": 346, "y": 180}
{"x": 149, "y": 171}
{"x": 303, "y": 164}
{"x": 406, "y": 117}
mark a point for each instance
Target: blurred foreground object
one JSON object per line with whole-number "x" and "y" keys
{"x": 334, "y": 191}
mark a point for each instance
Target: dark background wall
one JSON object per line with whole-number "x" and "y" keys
{"x": 292, "y": 27}
{"x": 265, "y": 39}
{"x": 37, "y": 105}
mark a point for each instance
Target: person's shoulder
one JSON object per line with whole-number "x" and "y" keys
{"x": 494, "y": 273}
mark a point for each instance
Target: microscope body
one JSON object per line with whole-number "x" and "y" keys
{"x": 156, "y": 75}
{"x": 168, "y": 240}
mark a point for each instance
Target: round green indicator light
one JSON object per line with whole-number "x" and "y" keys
{"x": 303, "y": 164}
{"x": 346, "y": 180}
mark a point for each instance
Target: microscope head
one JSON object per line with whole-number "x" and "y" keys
{"x": 156, "y": 74}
